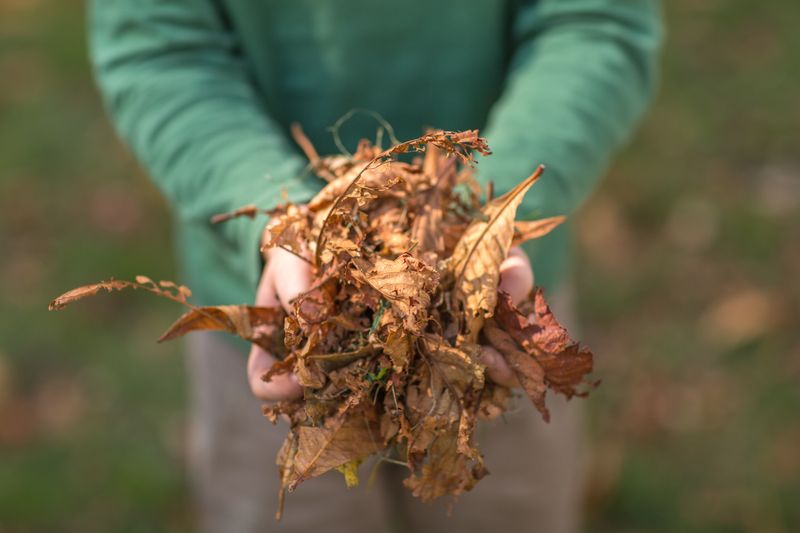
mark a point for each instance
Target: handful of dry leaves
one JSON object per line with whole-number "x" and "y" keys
{"x": 386, "y": 343}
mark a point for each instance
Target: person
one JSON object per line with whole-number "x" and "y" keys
{"x": 204, "y": 91}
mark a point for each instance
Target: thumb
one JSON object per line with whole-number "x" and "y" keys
{"x": 291, "y": 278}
{"x": 280, "y": 387}
{"x": 516, "y": 275}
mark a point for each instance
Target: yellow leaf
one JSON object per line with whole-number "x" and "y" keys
{"x": 350, "y": 472}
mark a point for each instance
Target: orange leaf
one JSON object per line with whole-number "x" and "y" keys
{"x": 526, "y": 230}
{"x": 245, "y": 321}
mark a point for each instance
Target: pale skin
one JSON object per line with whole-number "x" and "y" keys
{"x": 286, "y": 276}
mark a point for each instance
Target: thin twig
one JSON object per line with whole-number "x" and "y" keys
{"x": 337, "y": 139}
{"x": 305, "y": 144}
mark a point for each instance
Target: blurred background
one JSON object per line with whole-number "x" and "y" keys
{"x": 688, "y": 275}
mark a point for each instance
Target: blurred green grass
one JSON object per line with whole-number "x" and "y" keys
{"x": 687, "y": 274}
{"x": 91, "y": 408}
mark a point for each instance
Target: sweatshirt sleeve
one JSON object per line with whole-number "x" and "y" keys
{"x": 581, "y": 74}
{"x": 181, "y": 97}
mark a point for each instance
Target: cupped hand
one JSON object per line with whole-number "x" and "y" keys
{"x": 516, "y": 278}
{"x": 285, "y": 276}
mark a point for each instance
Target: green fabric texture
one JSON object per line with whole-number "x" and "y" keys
{"x": 204, "y": 91}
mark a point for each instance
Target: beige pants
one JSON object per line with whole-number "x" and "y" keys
{"x": 535, "y": 481}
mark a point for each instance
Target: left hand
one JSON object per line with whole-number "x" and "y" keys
{"x": 516, "y": 278}
{"x": 285, "y": 276}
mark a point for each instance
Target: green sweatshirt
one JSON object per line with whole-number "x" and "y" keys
{"x": 203, "y": 91}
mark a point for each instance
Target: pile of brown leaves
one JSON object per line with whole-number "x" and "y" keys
{"x": 386, "y": 343}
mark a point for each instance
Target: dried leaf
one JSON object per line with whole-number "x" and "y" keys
{"x": 460, "y": 367}
{"x": 287, "y": 231}
{"x": 406, "y": 282}
{"x": 87, "y": 290}
{"x": 284, "y": 366}
{"x": 350, "y": 437}
{"x": 446, "y": 472}
{"x": 398, "y": 348}
{"x": 243, "y": 321}
{"x": 426, "y": 230}
{"x": 249, "y": 211}
{"x": 526, "y": 230}
{"x": 177, "y": 293}
{"x": 466, "y": 431}
{"x": 526, "y": 368}
{"x": 565, "y": 363}
{"x": 332, "y": 361}
{"x": 285, "y": 462}
{"x": 475, "y": 263}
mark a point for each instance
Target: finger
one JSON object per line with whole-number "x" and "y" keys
{"x": 496, "y": 367}
{"x": 291, "y": 279}
{"x": 265, "y": 293}
{"x": 280, "y": 387}
{"x": 516, "y": 275}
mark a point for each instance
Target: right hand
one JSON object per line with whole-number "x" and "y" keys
{"x": 516, "y": 279}
{"x": 285, "y": 276}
